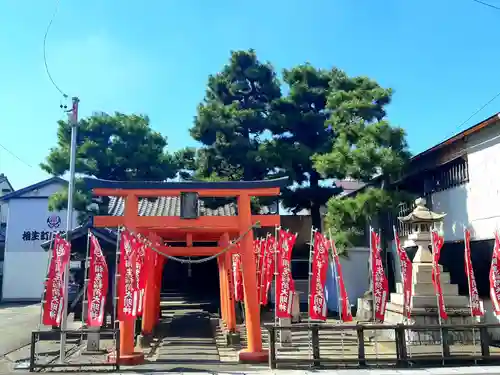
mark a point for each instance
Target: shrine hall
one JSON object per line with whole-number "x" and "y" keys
{"x": 193, "y": 221}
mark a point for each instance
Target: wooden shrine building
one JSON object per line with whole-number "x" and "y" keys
{"x": 191, "y": 227}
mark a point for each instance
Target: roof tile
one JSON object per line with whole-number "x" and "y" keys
{"x": 166, "y": 206}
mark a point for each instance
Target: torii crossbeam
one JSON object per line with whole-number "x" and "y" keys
{"x": 212, "y": 228}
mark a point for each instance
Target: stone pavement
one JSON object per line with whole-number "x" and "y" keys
{"x": 16, "y": 323}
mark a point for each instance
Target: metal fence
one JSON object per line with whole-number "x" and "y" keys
{"x": 380, "y": 345}
{"x": 80, "y": 336}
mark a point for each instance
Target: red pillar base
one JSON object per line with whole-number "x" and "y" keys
{"x": 133, "y": 359}
{"x": 253, "y": 357}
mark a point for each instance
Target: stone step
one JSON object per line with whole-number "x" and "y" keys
{"x": 427, "y": 288}
{"x": 431, "y": 301}
{"x": 426, "y": 276}
{"x": 422, "y": 267}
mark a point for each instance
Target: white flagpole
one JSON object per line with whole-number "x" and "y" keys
{"x": 374, "y": 304}
{"x": 86, "y": 280}
{"x": 43, "y": 300}
{"x": 372, "y": 282}
{"x": 406, "y": 320}
{"x": 276, "y": 229}
{"x": 311, "y": 249}
{"x": 117, "y": 277}
{"x": 340, "y": 300}
{"x": 468, "y": 270}
{"x": 435, "y": 268}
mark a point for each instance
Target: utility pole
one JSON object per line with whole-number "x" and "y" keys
{"x": 73, "y": 120}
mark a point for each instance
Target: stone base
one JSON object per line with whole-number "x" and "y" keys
{"x": 233, "y": 338}
{"x": 429, "y": 317}
{"x": 133, "y": 359}
{"x": 144, "y": 340}
{"x": 245, "y": 356}
{"x": 364, "y": 310}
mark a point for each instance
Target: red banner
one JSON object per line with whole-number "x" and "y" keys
{"x": 345, "y": 306}
{"x": 267, "y": 269}
{"x": 437, "y": 245}
{"x": 258, "y": 248}
{"x": 237, "y": 277}
{"x": 406, "y": 275}
{"x": 317, "y": 300}
{"x": 495, "y": 276}
{"x": 54, "y": 292}
{"x": 379, "y": 280}
{"x": 139, "y": 261}
{"x": 97, "y": 287}
{"x": 475, "y": 303}
{"x": 284, "y": 282}
{"x": 126, "y": 282}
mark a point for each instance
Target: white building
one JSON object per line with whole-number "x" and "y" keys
{"x": 460, "y": 177}
{"x": 475, "y": 203}
{"x": 5, "y": 188}
{"x": 29, "y": 224}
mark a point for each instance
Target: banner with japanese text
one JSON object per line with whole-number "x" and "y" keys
{"x": 237, "y": 277}
{"x": 437, "y": 245}
{"x": 475, "y": 303}
{"x": 406, "y": 275}
{"x": 317, "y": 298}
{"x": 259, "y": 258}
{"x": 126, "y": 282}
{"x": 345, "y": 306}
{"x": 268, "y": 269}
{"x": 139, "y": 264}
{"x": 284, "y": 282}
{"x": 379, "y": 280}
{"x": 495, "y": 276}
{"x": 54, "y": 287}
{"x": 97, "y": 287}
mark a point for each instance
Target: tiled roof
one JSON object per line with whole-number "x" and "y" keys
{"x": 167, "y": 206}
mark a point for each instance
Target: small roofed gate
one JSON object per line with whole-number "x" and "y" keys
{"x": 190, "y": 228}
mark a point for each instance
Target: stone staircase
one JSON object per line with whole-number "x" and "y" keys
{"x": 186, "y": 333}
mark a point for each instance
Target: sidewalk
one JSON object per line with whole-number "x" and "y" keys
{"x": 17, "y": 321}
{"x": 434, "y": 371}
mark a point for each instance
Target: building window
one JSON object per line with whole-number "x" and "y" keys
{"x": 447, "y": 176}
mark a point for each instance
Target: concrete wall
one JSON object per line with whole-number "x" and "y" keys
{"x": 355, "y": 273}
{"x": 29, "y": 225}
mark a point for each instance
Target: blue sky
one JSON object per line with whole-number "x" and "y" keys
{"x": 441, "y": 57}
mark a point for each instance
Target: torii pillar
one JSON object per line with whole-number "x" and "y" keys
{"x": 254, "y": 352}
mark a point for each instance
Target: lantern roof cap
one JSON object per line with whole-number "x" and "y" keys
{"x": 421, "y": 214}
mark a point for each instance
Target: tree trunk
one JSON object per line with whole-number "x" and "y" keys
{"x": 315, "y": 208}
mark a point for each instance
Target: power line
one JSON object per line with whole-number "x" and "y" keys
{"x": 480, "y": 109}
{"x": 15, "y": 156}
{"x": 486, "y": 4}
{"x": 45, "y": 51}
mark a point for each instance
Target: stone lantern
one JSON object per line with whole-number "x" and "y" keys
{"x": 423, "y": 300}
{"x": 421, "y": 220}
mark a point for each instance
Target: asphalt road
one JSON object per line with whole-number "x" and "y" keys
{"x": 16, "y": 323}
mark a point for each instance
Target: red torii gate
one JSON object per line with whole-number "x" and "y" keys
{"x": 205, "y": 228}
